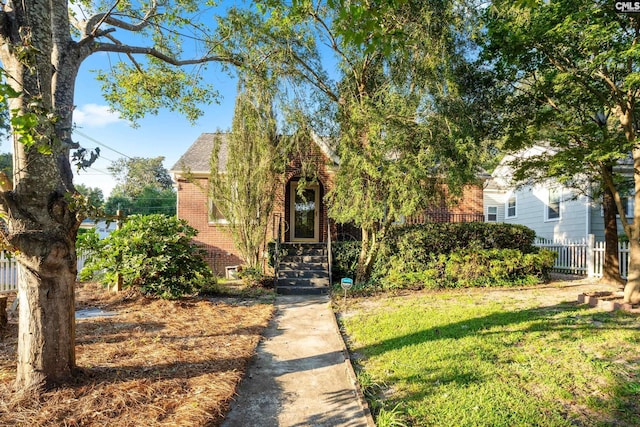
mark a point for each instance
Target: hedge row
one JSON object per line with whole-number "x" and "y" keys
{"x": 451, "y": 254}
{"x": 472, "y": 268}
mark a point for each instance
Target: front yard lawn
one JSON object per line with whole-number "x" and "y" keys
{"x": 496, "y": 357}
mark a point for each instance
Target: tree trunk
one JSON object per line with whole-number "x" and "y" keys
{"x": 46, "y": 346}
{"x": 368, "y": 253}
{"x": 632, "y": 288}
{"x": 38, "y": 55}
{"x": 611, "y": 265}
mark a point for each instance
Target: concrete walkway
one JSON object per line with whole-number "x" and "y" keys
{"x": 300, "y": 375}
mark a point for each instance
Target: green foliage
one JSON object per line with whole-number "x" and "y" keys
{"x": 409, "y": 248}
{"x": 461, "y": 254}
{"x": 88, "y": 244}
{"x": 252, "y": 276}
{"x": 390, "y": 417}
{"x": 154, "y": 254}
{"x": 243, "y": 190}
{"x": 572, "y": 67}
{"x": 473, "y": 268}
{"x": 94, "y": 195}
{"x": 134, "y": 175}
{"x": 136, "y": 92}
{"x": 345, "y": 259}
{"x": 400, "y": 112}
{"x": 88, "y": 241}
{"x": 569, "y": 69}
{"x": 6, "y": 162}
{"x": 150, "y": 200}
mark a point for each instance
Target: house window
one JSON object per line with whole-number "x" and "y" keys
{"x": 554, "y": 203}
{"x": 628, "y": 205}
{"x": 511, "y": 207}
{"x": 215, "y": 216}
{"x": 492, "y": 214}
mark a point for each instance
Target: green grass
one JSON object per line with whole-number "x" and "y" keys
{"x": 454, "y": 359}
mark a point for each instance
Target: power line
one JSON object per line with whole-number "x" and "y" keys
{"x": 100, "y": 143}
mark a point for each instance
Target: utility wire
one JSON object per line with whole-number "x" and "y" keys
{"x": 100, "y": 143}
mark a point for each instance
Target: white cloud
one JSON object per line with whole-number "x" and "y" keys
{"x": 95, "y": 115}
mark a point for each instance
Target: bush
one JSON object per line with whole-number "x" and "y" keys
{"x": 410, "y": 248}
{"x": 345, "y": 259}
{"x": 153, "y": 253}
{"x": 461, "y": 255}
{"x": 472, "y": 268}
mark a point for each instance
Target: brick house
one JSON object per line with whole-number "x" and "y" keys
{"x": 302, "y": 220}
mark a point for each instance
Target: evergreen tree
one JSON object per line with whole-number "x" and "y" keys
{"x": 244, "y": 190}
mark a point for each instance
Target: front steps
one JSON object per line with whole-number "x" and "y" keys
{"x": 304, "y": 269}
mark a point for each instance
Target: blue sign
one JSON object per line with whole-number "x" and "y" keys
{"x": 346, "y": 283}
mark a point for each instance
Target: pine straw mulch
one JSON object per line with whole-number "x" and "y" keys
{"x": 155, "y": 363}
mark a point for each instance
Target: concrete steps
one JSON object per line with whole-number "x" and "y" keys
{"x": 303, "y": 269}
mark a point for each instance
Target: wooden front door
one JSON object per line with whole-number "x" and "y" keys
{"x": 305, "y": 215}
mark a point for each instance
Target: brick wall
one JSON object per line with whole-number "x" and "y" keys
{"x": 466, "y": 207}
{"x": 193, "y": 205}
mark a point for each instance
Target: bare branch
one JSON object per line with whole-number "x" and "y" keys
{"x": 313, "y": 76}
{"x": 93, "y": 23}
{"x": 129, "y": 55}
{"x": 141, "y": 50}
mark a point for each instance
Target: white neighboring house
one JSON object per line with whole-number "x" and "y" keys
{"x": 103, "y": 228}
{"x": 554, "y": 212}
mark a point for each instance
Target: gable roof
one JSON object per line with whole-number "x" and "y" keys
{"x": 197, "y": 158}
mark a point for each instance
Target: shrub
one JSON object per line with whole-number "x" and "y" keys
{"x": 410, "y": 248}
{"x": 153, "y": 253}
{"x": 472, "y": 268}
{"x": 345, "y": 259}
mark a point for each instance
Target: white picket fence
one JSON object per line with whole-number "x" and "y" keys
{"x": 9, "y": 271}
{"x": 584, "y": 257}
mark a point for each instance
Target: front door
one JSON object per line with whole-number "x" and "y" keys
{"x": 305, "y": 219}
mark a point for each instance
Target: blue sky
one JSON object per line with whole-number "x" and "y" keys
{"x": 168, "y": 134}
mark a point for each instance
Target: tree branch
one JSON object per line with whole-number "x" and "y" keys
{"x": 94, "y": 22}
{"x": 313, "y": 77}
{"x": 141, "y": 50}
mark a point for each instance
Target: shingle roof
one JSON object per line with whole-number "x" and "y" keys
{"x": 197, "y": 157}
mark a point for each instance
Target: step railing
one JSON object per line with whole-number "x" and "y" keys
{"x": 276, "y": 256}
{"x": 329, "y": 253}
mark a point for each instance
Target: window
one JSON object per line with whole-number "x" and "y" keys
{"x": 215, "y": 216}
{"x": 628, "y": 204}
{"x": 511, "y": 207}
{"x": 492, "y": 214}
{"x": 553, "y": 204}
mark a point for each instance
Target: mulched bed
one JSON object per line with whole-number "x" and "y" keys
{"x": 155, "y": 363}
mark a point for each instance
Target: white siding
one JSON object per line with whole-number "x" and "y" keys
{"x": 493, "y": 198}
{"x": 597, "y": 222}
{"x": 531, "y": 211}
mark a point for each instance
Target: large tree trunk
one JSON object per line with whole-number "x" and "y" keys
{"x": 37, "y": 54}
{"x": 43, "y": 228}
{"x": 611, "y": 265}
{"x": 632, "y": 288}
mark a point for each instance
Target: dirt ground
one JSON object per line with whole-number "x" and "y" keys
{"x": 152, "y": 363}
